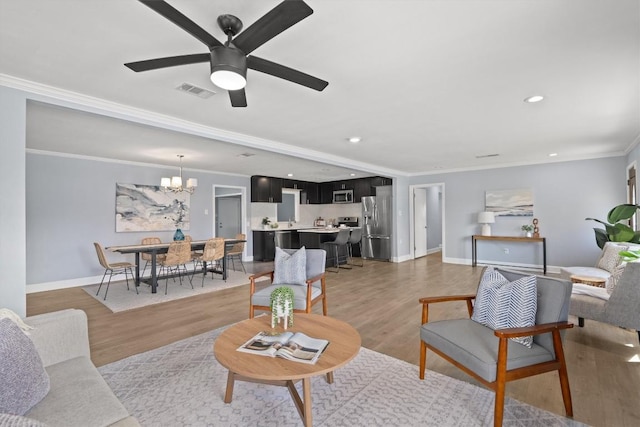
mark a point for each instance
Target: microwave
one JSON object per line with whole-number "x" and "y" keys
{"x": 343, "y": 196}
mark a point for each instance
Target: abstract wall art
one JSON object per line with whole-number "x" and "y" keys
{"x": 150, "y": 208}
{"x": 517, "y": 202}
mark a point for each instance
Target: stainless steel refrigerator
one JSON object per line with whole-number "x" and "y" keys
{"x": 376, "y": 225}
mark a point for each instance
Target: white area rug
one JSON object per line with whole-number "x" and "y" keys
{"x": 120, "y": 299}
{"x": 183, "y": 385}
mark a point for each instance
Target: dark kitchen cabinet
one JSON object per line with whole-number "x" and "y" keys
{"x": 379, "y": 181}
{"x": 264, "y": 245}
{"x": 362, "y": 188}
{"x": 326, "y": 192}
{"x": 312, "y": 193}
{"x": 266, "y": 189}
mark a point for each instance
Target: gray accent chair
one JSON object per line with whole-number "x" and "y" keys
{"x": 304, "y": 296}
{"x": 623, "y": 307}
{"x": 490, "y": 356}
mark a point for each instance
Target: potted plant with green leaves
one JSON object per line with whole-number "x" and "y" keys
{"x": 528, "y": 229}
{"x": 265, "y": 222}
{"x": 616, "y": 229}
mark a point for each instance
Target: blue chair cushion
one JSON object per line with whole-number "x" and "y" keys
{"x": 475, "y": 346}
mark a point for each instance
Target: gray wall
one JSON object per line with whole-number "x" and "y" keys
{"x": 12, "y": 194}
{"x": 67, "y": 214}
{"x": 565, "y": 193}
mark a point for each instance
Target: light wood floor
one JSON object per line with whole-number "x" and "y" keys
{"x": 381, "y": 302}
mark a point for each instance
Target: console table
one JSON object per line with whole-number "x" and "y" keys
{"x": 475, "y": 238}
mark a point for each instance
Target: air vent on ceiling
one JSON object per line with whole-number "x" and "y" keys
{"x": 195, "y": 90}
{"x": 487, "y": 155}
{"x": 246, "y": 155}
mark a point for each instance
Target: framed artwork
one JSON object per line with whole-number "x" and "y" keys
{"x": 150, "y": 208}
{"x": 517, "y": 202}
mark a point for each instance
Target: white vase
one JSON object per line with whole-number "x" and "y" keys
{"x": 529, "y": 234}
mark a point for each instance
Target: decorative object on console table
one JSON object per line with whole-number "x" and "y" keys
{"x": 528, "y": 230}
{"x": 536, "y": 230}
{"x": 282, "y": 307}
{"x": 486, "y": 218}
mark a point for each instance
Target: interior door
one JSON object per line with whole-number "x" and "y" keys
{"x": 420, "y": 222}
{"x": 228, "y": 216}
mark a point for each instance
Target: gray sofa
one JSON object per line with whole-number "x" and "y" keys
{"x": 78, "y": 395}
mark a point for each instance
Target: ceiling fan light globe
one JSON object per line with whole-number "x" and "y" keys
{"x": 229, "y": 80}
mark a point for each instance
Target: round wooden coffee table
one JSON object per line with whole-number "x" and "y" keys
{"x": 344, "y": 344}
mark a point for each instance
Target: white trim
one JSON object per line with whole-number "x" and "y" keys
{"x": 551, "y": 269}
{"x": 64, "y": 284}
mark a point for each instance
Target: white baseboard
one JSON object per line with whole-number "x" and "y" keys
{"x": 481, "y": 263}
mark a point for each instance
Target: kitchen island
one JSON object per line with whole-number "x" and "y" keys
{"x": 265, "y": 241}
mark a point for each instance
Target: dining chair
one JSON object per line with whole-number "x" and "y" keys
{"x": 178, "y": 255}
{"x": 236, "y": 252}
{"x": 212, "y": 254}
{"x": 147, "y": 256}
{"x": 113, "y": 269}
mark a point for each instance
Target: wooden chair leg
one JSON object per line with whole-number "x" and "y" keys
{"x": 423, "y": 358}
{"x": 562, "y": 373}
{"x": 500, "y": 384}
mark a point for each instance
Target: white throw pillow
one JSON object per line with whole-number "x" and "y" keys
{"x": 502, "y": 304}
{"x": 290, "y": 269}
{"x": 611, "y": 258}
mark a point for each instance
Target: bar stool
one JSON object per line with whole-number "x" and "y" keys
{"x": 342, "y": 239}
{"x": 355, "y": 238}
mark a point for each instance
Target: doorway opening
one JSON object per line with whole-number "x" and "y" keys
{"x": 426, "y": 210}
{"x": 229, "y": 208}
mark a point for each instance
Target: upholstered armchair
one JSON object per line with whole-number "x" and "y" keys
{"x": 308, "y": 289}
{"x": 622, "y": 308}
{"x": 490, "y": 355}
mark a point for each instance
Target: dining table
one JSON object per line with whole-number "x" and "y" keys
{"x": 163, "y": 248}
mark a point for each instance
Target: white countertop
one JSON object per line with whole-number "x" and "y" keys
{"x": 305, "y": 229}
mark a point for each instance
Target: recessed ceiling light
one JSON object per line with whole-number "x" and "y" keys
{"x": 534, "y": 98}
{"x": 354, "y": 139}
{"x": 352, "y": 174}
{"x": 289, "y": 174}
{"x": 553, "y": 154}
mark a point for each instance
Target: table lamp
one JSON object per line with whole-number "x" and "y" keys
{"x": 486, "y": 218}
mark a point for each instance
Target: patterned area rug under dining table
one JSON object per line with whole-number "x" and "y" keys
{"x": 182, "y": 384}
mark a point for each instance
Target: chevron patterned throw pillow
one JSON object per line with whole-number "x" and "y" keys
{"x": 502, "y": 304}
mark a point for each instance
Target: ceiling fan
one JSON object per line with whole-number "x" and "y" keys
{"x": 229, "y": 61}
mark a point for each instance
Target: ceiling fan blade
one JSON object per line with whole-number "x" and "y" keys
{"x": 170, "y": 61}
{"x": 173, "y": 15}
{"x": 281, "y": 17}
{"x": 286, "y": 73}
{"x": 238, "y": 98}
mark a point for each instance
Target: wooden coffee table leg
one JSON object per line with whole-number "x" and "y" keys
{"x": 330, "y": 377}
{"x": 229, "y": 393}
{"x": 306, "y": 392}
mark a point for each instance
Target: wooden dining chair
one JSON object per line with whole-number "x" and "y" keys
{"x": 113, "y": 269}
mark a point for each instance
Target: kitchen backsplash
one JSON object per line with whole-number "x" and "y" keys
{"x": 308, "y": 213}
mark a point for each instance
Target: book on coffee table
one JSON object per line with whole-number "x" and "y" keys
{"x": 288, "y": 345}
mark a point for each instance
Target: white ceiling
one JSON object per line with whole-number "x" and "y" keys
{"x": 429, "y": 85}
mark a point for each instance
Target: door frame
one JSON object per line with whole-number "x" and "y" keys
{"x": 412, "y": 217}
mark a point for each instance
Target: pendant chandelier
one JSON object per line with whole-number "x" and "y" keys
{"x": 175, "y": 182}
